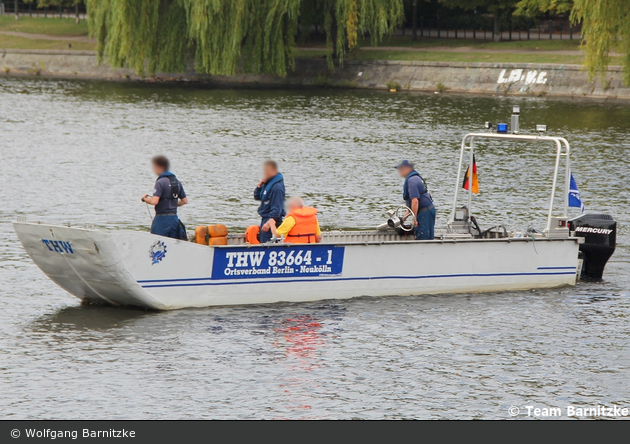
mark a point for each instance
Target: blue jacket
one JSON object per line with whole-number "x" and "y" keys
{"x": 163, "y": 190}
{"x": 415, "y": 188}
{"x": 271, "y": 197}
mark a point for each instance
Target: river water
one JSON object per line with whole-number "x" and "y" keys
{"x": 78, "y": 152}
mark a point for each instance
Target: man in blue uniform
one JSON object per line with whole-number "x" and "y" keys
{"x": 417, "y": 198}
{"x": 168, "y": 195}
{"x": 270, "y": 192}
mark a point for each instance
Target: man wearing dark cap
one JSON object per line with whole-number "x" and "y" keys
{"x": 417, "y": 198}
{"x": 167, "y": 196}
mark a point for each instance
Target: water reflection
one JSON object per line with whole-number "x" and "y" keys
{"x": 86, "y": 318}
{"x": 301, "y": 336}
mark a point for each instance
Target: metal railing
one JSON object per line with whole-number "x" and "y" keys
{"x": 7, "y": 7}
{"x": 562, "y": 150}
{"x": 479, "y": 28}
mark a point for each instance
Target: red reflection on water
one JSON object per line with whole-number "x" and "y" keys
{"x": 302, "y": 337}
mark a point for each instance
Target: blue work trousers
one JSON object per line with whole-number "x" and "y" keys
{"x": 166, "y": 226}
{"x": 425, "y": 230}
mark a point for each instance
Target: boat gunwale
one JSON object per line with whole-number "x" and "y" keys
{"x": 339, "y": 243}
{"x": 401, "y": 242}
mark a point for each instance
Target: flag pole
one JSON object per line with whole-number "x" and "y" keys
{"x": 554, "y": 185}
{"x": 471, "y": 174}
{"x": 458, "y": 182}
{"x": 567, "y": 178}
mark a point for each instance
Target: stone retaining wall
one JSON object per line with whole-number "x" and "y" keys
{"x": 495, "y": 78}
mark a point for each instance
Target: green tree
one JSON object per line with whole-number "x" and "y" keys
{"x": 534, "y": 7}
{"x": 494, "y": 6}
{"x": 221, "y": 35}
{"x": 605, "y": 28}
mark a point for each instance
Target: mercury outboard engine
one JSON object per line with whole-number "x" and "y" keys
{"x": 600, "y": 233}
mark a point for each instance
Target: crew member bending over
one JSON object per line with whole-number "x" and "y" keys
{"x": 300, "y": 226}
{"x": 270, "y": 192}
{"x": 417, "y": 198}
{"x": 168, "y": 195}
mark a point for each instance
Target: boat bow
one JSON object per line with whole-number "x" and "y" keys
{"x": 86, "y": 263}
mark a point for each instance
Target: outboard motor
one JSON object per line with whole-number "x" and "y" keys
{"x": 600, "y": 233}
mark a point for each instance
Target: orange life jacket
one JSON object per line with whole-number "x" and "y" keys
{"x": 251, "y": 234}
{"x": 305, "y": 226}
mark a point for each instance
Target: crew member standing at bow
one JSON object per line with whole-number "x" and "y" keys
{"x": 270, "y": 192}
{"x": 417, "y": 198}
{"x": 300, "y": 226}
{"x": 168, "y": 195}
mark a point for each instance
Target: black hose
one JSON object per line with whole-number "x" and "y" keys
{"x": 473, "y": 219}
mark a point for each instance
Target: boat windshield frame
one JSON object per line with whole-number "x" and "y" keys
{"x": 562, "y": 148}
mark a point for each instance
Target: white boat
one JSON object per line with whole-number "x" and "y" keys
{"x": 130, "y": 268}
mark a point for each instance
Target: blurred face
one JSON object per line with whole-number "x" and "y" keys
{"x": 157, "y": 169}
{"x": 404, "y": 171}
{"x": 269, "y": 172}
{"x": 292, "y": 206}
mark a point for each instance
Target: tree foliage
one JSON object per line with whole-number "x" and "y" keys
{"x": 223, "y": 35}
{"x": 66, "y": 3}
{"x": 605, "y": 28}
{"x": 535, "y": 7}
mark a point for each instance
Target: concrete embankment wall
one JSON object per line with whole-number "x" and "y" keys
{"x": 494, "y": 78}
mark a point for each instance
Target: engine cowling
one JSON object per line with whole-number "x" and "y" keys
{"x": 600, "y": 234}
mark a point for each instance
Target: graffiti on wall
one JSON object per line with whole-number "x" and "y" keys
{"x": 520, "y": 75}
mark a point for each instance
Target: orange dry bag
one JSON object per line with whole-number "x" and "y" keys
{"x": 218, "y": 230}
{"x": 218, "y": 241}
{"x": 201, "y": 235}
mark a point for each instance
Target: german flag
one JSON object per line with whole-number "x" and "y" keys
{"x": 475, "y": 179}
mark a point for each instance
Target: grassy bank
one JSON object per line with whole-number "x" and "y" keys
{"x": 44, "y": 33}
{"x": 532, "y": 45}
{"x": 562, "y": 52}
{"x": 471, "y": 57}
{"x": 15, "y": 42}
{"x": 64, "y": 27}
{"x": 443, "y": 56}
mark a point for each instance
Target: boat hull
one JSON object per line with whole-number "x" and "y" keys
{"x": 144, "y": 270}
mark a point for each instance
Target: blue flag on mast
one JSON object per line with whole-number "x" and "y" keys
{"x": 574, "y": 195}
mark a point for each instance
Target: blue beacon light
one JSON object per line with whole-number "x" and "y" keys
{"x": 502, "y": 128}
